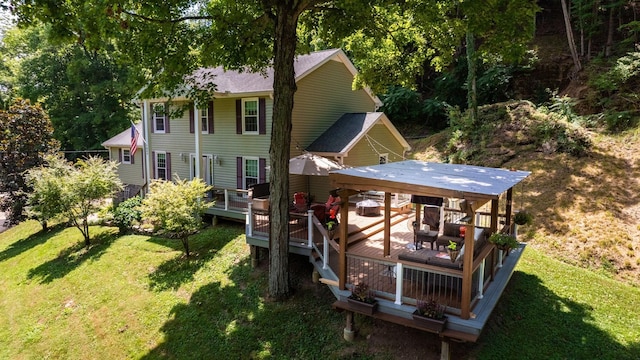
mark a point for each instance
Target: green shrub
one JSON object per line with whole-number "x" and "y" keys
{"x": 127, "y": 213}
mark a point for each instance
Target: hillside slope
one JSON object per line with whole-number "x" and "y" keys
{"x": 586, "y": 208}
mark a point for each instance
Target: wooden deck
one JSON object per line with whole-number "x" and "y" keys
{"x": 366, "y": 262}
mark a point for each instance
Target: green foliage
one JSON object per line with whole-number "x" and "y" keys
{"x": 402, "y": 105}
{"x": 127, "y": 213}
{"x": 556, "y": 134}
{"x": 175, "y": 208}
{"x": 77, "y": 190}
{"x": 25, "y": 139}
{"x": 503, "y": 240}
{"x": 86, "y": 92}
{"x": 523, "y": 217}
{"x": 453, "y": 246}
{"x": 47, "y": 199}
{"x": 616, "y": 91}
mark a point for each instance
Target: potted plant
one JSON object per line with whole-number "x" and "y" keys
{"x": 332, "y": 226}
{"x": 523, "y": 217}
{"x": 503, "y": 241}
{"x": 362, "y": 299}
{"x": 430, "y": 315}
{"x": 453, "y": 249}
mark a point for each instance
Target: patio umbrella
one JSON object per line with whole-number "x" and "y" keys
{"x": 312, "y": 165}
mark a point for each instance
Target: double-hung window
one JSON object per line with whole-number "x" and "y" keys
{"x": 159, "y": 118}
{"x": 126, "y": 156}
{"x": 204, "y": 120}
{"x": 250, "y": 116}
{"x": 250, "y": 173}
{"x": 161, "y": 165}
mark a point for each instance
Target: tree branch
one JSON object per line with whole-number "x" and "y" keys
{"x": 167, "y": 21}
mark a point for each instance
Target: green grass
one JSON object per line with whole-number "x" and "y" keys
{"x": 552, "y": 310}
{"x": 138, "y": 297}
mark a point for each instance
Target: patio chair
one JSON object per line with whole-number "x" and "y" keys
{"x": 300, "y": 202}
{"x": 431, "y": 217}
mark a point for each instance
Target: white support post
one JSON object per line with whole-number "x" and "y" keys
{"x": 249, "y": 221}
{"x": 325, "y": 253}
{"x": 499, "y": 258}
{"x": 481, "y": 279}
{"x": 399, "y": 281}
{"x": 310, "y": 227}
{"x": 226, "y": 199}
{"x": 197, "y": 127}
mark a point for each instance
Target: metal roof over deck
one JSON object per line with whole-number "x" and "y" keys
{"x": 429, "y": 178}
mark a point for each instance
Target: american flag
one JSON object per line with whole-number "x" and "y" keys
{"x": 134, "y": 140}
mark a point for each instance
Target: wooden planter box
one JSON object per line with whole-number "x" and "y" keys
{"x": 363, "y": 307}
{"x": 435, "y": 325}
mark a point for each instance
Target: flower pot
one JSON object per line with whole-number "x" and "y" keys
{"x": 363, "y": 307}
{"x": 435, "y": 325}
{"x": 453, "y": 254}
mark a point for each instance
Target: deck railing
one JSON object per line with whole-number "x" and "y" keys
{"x": 230, "y": 199}
{"x": 405, "y": 283}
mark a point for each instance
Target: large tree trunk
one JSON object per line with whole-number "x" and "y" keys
{"x": 570, "y": 40}
{"x": 284, "y": 87}
{"x": 609, "y": 46}
{"x": 472, "y": 98}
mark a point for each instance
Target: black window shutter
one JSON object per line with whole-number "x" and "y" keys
{"x": 168, "y": 165}
{"x": 155, "y": 164}
{"x": 191, "y": 119}
{"x": 262, "y": 115}
{"x": 262, "y": 170}
{"x": 239, "y": 116}
{"x": 166, "y": 118}
{"x": 210, "y": 117}
{"x": 239, "y": 172}
{"x": 119, "y": 155}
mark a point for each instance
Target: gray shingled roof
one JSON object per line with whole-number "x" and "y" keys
{"x": 123, "y": 139}
{"x": 340, "y": 136}
{"x": 233, "y": 81}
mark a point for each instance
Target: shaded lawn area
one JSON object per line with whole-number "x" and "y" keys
{"x": 552, "y": 310}
{"x": 138, "y": 297}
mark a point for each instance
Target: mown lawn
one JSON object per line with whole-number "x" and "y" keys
{"x": 138, "y": 297}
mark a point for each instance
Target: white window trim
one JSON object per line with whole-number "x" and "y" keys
{"x": 385, "y": 156}
{"x": 244, "y": 169}
{"x": 128, "y": 155}
{"x": 155, "y": 164}
{"x": 154, "y": 118}
{"x": 204, "y": 119}
{"x": 192, "y": 173}
{"x": 244, "y": 125}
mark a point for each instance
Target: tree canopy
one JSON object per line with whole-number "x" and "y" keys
{"x": 26, "y": 137}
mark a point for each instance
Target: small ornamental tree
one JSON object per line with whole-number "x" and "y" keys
{"x": 175, "y": 208}
{"x": 48, "y": 184}
{"x": 75, "y": 191}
